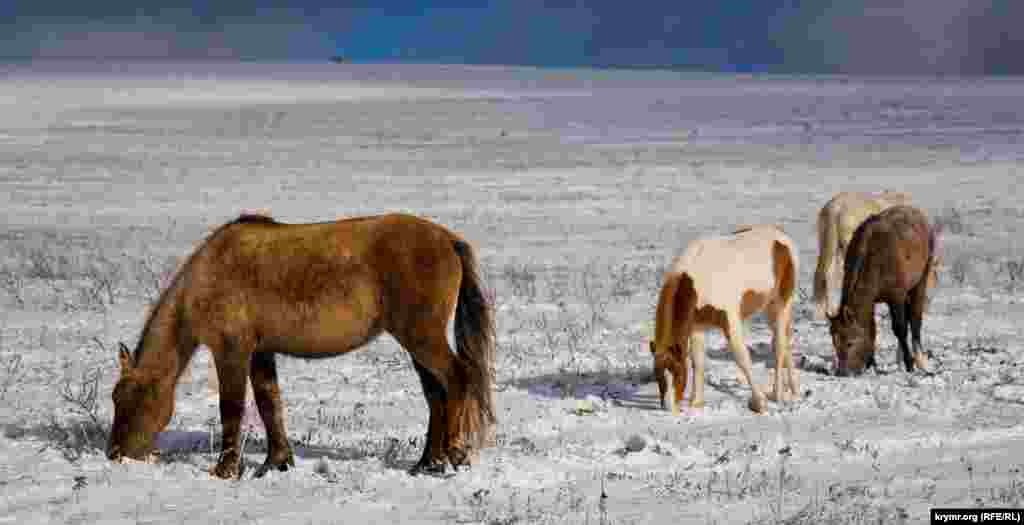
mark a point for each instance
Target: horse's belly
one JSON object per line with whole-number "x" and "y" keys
{"x": 315, "y": 343}
{"x": 328, "y": 329}
{"x": 732, "y": 288}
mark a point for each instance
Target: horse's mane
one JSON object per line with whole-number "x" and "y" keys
{"x": 676, "y": 302}
{"x": 662, "y": 318}
{"x": 166, "y": 294}
{"x": 254, "y": 218}
{"x": 748, "y": 227}
{"x": 856, "y": 252}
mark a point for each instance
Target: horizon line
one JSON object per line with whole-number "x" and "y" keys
{"x": 331, "y": 59}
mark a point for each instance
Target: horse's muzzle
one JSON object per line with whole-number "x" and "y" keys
{"x": 120, "y": 458}
{"x": 848, "y": 372}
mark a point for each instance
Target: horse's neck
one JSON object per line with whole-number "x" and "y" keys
{"x": 860, "y": 302}
{"x": 161, "y": 361}
{"x": 160, "y": 353}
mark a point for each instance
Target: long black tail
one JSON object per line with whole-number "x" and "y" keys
{"x": 474, "y": 338}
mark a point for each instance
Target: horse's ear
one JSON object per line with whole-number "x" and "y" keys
{"x": 936, "y": 240}
{"x": 125, "y": 357}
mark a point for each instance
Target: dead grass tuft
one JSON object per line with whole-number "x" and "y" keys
{"x": 952, "y": 221}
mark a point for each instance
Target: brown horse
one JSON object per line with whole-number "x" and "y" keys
{"x": 716, "y": 283}
{"x": 256, "y": 288}
{"x": 888, "y": 261}
{"x": 837, "y": 221}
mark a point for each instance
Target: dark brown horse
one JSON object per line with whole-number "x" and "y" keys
{"x": 256, "y": 288}
{"x": 887, "y": 261}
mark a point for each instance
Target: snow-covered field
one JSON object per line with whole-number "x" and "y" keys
{"x": 577, "y": 187}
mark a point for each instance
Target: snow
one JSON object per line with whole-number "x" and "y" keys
{"x": 577, "y": 188}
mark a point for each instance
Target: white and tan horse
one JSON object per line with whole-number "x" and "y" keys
{"x": 717, "y": 283}
{"x": 837, "y": 221}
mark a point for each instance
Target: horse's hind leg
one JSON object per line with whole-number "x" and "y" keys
{"x": 734, "y": 334}
{"x": 898, "y": 315}
{"x": 786, "y": 385}
{"x": 439, "y": 371}
{"x": 432, "y": 459}
{"x": 232, "y": 357}
{"x": 823, "y": 271}
{"x": 263, "y": 373}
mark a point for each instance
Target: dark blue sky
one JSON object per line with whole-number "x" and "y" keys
{"x": 851, "y": 36}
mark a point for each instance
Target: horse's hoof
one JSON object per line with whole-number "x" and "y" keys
{"x": 758, "y": 404}
{"x": 458, "y": 457}
{"x": 920, "y": 361}
{"x": 436, "y": 469}
{"x": 786, "y": 396}
{"x": 268, "y": 466}
{"x": 223, "y": 471}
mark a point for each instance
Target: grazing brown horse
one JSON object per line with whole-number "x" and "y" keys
{"x": 256, "y": 288}
{"x": 888, "y": 261}
{"x": 837, "y": 221}
{"x": 716, "y": 283}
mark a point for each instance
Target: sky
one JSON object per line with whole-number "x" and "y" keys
{"x": 965, "y": 37}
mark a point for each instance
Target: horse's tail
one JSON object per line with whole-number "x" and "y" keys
{"x": 934, "y": 255}
{"x": 474, "y": 338}
{"x": 828, "y": 240}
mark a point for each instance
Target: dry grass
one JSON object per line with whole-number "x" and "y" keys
{"x": 574, "y": 241}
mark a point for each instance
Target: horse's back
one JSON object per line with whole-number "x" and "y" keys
{"x": 298, "y": 280}
{"x": 258, "y": 235}
{"x": 899, "y": 239}
{"x": 850, "y": 209}
{"x": 735, "y": 264}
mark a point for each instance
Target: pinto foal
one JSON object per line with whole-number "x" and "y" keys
{"x": 717, "y": 283}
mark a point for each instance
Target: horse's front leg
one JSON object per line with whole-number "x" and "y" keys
{"x": 265, "y": 389}
{"x": 232, "y": 364}
{"x": 918, "y": 304}
{"x": 680, "y": 369}
{"x": 697, "y": 358}
{"x": 734, "y": 333}
{"x": 898, "y": 315}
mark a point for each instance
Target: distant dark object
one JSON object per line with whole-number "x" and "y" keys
{"x": 339, "y": 59}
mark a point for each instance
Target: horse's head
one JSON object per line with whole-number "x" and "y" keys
{"x": 140, "y": 410}
{"x": 853, "y": 340}
{"x": 669, "y": 359}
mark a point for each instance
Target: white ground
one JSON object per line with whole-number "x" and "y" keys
{"x": 577, "y": 187}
